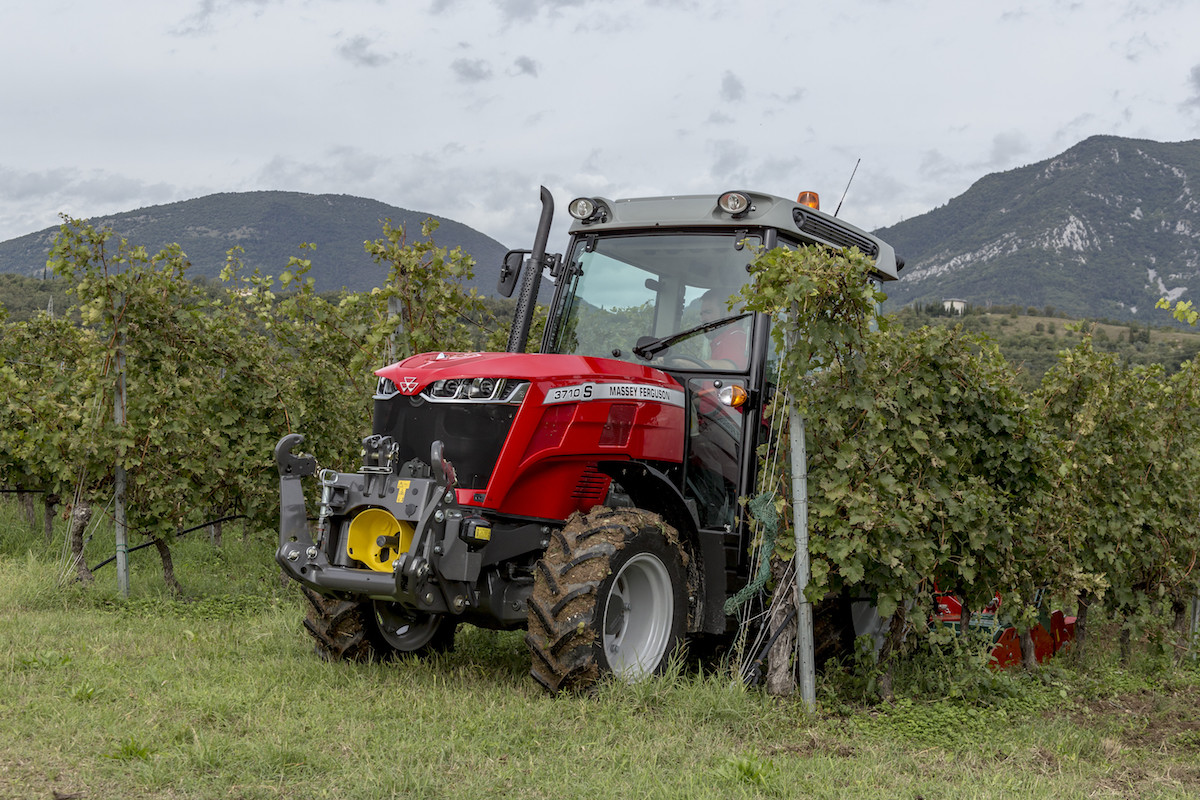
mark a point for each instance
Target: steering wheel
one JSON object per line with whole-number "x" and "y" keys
{"x": 685, "y": 361}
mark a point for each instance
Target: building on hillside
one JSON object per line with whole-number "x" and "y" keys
{"x": 954, "y": 306}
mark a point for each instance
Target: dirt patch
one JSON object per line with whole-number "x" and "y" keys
{"x": 815, "y": 745}
{"x": 1135, "y": 782}
{"x": 1165, "y": 722}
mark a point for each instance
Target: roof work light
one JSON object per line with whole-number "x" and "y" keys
{"x": 734, "y": 203}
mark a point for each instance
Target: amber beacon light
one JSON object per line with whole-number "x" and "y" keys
{"x": 809, "y": 199}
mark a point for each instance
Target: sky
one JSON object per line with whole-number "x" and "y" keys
{"x": 463, "y": 108}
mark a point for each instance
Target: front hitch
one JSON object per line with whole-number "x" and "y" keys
{"x": 294, "y": 536}
{"x": 299, "y": 556}
{"x": 435, "y": 572}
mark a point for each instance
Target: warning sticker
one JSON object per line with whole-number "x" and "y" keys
{"x": 584, "y": 392}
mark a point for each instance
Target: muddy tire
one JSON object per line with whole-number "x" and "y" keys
{"x": 350, "y": 630}
{"x": 609, "y": 596}
{"x": 340, "y": 627}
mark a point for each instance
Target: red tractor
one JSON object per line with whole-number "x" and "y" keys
{"x": 1050, "y": 635}
{"x": 587, "y": 492}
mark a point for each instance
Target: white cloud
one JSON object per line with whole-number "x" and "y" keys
{"x": 471, "y": 70}
{"x": 1006, "y": 148}
{"x": 362, "y": 51}
{"x": 732, "y": 88}
{"x": 381, "y": 100}
{"x": 209, "y": 12}
{"x": 1194, "y": 87}
{"x": 32, "y": 200}
{"x": 524, "y": 65}
{"x": 523, "y": 11}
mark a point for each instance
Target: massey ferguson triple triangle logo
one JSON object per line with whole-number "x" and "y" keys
{"x": 407, "y": 385}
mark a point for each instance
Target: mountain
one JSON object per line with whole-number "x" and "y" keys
{"x": 270, "y": 226}
{"x": 1101, "y": 231}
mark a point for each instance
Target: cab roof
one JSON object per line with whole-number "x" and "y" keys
{"x": 764, "y": 210}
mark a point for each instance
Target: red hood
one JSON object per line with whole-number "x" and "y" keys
{"x": 416, "y": 372}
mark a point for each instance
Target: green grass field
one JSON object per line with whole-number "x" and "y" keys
{"x": 221, "y": 697}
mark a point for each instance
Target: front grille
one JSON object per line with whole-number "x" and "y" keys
{"x": 472, "y": 433}
{"x": 834, "y": 234}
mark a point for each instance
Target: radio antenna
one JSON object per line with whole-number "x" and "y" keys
{"x": 852, "y": 173}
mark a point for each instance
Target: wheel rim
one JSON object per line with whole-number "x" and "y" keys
{"x": 638, "y": 613}
{"x": 401, "y": 629}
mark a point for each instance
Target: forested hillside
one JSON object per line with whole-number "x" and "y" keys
{"x": 1032, "y": 339}
{"x": 269, "y": 227}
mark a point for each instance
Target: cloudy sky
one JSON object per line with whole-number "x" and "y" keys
{"x": 462, "y": 108}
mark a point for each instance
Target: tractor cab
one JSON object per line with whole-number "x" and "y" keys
{"x": 655, "y": 282}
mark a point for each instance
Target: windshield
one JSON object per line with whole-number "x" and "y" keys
{"x": 622, "y": 289}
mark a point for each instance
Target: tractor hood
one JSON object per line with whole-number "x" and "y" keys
{"x": 546, "y": 371}
{"x": 527, "y": 433}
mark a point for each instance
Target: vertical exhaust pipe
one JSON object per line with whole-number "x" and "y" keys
{"x": 518, "y": 335}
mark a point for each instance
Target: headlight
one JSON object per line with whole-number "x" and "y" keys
{"x": 480, "y": 390}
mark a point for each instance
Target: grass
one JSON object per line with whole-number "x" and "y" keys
{"x": 222, "y": 697}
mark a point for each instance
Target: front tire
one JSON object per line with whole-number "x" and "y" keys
{"x": 354, "y": 630}
{"x": 401, "y": 632}
{"x": 339, "y": 627}
{"x": 609, "y": 596}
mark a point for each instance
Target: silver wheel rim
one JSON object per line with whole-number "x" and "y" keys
{"x": 637, "y": 620}
{"x": 400, "y": 630}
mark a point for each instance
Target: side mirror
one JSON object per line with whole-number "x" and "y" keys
{"x": 510, "y": 271}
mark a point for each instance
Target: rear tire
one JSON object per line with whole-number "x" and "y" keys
{"x": 352, "y": 630}
{"x": 609, "y": 596}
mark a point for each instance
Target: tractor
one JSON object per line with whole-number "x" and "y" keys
{"x": 587, "y": 492}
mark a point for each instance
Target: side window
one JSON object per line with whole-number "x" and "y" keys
{"x": 714, "y": 452}
{"x": 729, "y": 345}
